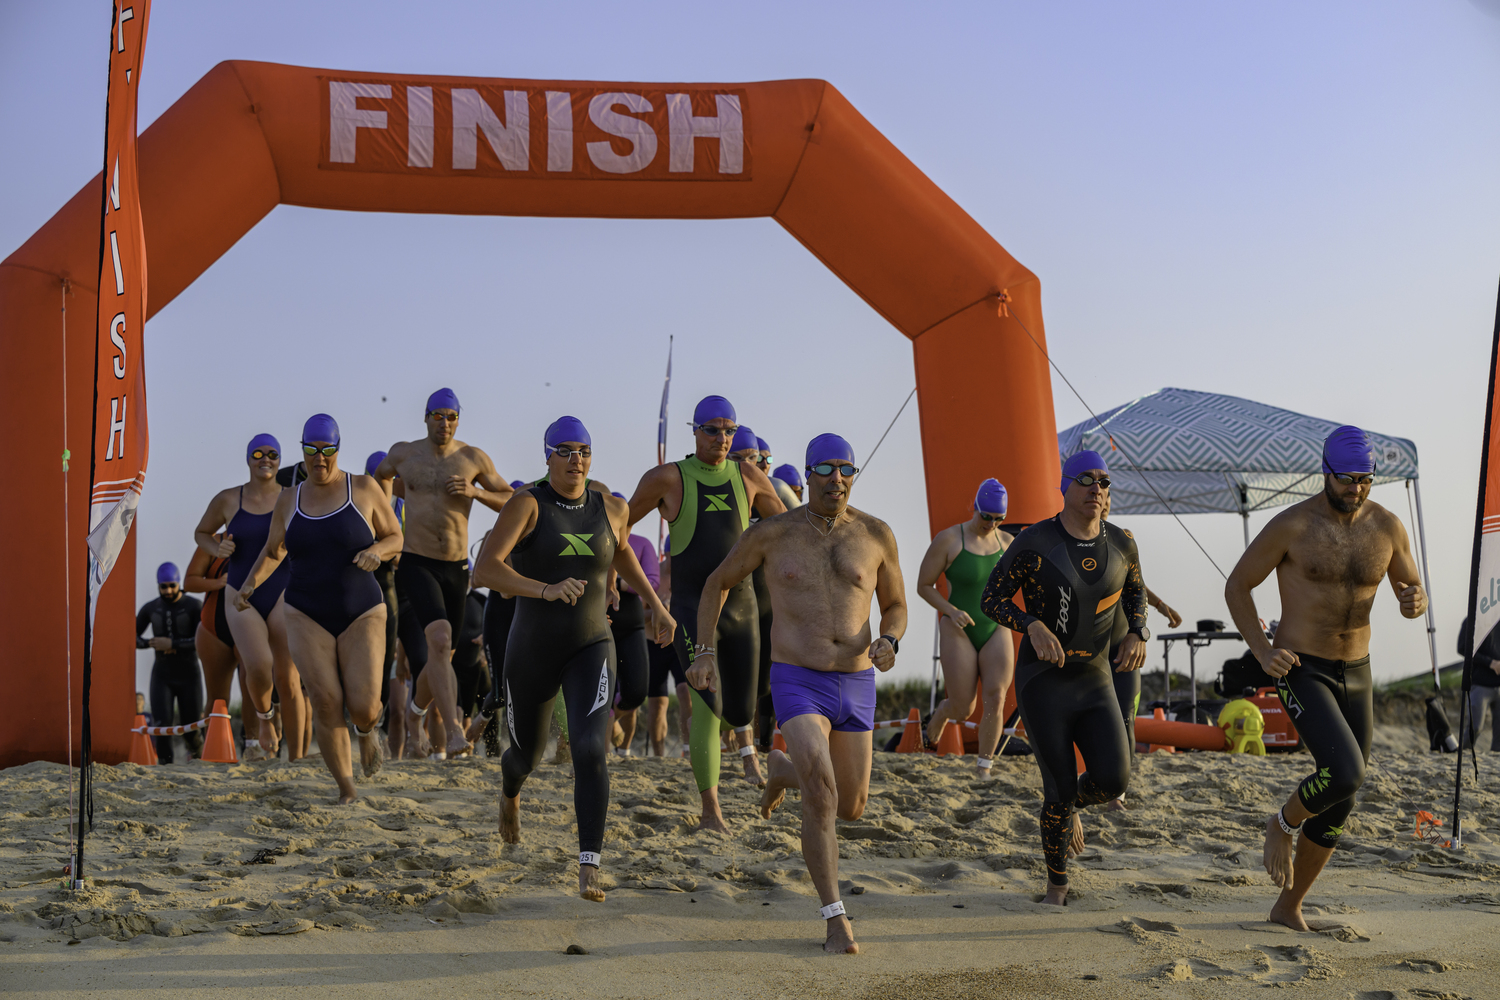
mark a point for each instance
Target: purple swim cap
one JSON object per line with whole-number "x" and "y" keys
{"x": 444, "y": 399}
{"x": 261, "y": 441}
{"x": 320, "y": 427}
{"x": 1347, "y": 450}
{"x": 828, "y": 447}
{"x": 1080, "y": 463}
{"x": 666, "y": 546}
{"x": 167, "y": 573}
{"x": 373, "y": 462}
{"x": 565, "y": 429}
{"x": 744, "y": 438}
{"x": 713, "y": 408}
{"x": 760, "y": 444}
{"x": 788, "y": 474}
{"x": 620, "y": 495}
{"x": 518, "y": 484}
{"x": 991, "y": 498}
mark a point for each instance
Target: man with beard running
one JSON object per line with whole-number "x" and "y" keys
{"x": 1330, "y": 553}
{"x": 825, "y": 562}
{"x": 706, "y": 500}
{"x": 442, "y": 477}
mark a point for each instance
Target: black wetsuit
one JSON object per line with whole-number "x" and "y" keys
{"x": 554, "y": 645}
{"x": 765, "y": 710}
{"x": 714, "y": 514}
{"x": 628, "y": 626}
{"x": 466, "y": 654}
{"x": 175, "y": 676}
{"x": 1331, "y": 704}
{"x": 1072, "y": 586}
{"x": 1128, "y": 684}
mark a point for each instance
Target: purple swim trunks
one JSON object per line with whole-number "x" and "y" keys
{"x": 846, "y": 700}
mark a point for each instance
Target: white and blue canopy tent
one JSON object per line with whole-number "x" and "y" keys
{"x": 1178, "y": 451}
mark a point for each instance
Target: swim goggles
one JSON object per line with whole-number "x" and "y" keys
{"x": 270, "y": 453}
{"x": 451, "y": 418}
{"x": 1345, "y": 479}
{"x": 713, "y": 431}
{"x": 828, "y": 468}
{"x": 991, "y": 517}
{"x": 565, "y": 453}
{"x": 328, "y": 450}
{"x": 1084, "y": 479}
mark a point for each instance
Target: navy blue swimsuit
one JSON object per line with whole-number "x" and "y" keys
{"x": 325, "y": 584}
{"x": 250, "y": 532}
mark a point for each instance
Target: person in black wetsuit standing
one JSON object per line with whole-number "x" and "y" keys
{"x": 1330, "y": 554}
{"x": 1072, "y": 569}
{"x": 561, "y": 539}
{"x": 173, "y": 619}
{"x": 706, "y": 500}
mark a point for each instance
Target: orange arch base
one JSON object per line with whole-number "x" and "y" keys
{"x": 250, "y": 136}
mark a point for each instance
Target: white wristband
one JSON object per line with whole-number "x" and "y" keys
{"x": 1287, "y": 828}
{"x": 588, "y": 858}
{"x": 834, "y": 909}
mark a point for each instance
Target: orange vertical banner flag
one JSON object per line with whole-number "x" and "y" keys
{"x": 117, "y": 471}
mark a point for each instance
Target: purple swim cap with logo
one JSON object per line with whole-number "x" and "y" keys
{"x": 991, "y": 498}
{"x": 1080, "y": 463}
{"x": 1348, "y": 450}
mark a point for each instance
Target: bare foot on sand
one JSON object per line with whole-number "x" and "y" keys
{"x": 713, "y": 819}
{"x": 1116, "y": 805}
{"x": 458, "y": 746}
{"x": 1277, "y": 856}
{"x": 752, "y": 770}
{"x": 1057, "y": 895}
{"x": 417, "y": 745}
{"x": 840, "y": 940}
{"x": 588, "y": 884}
{"x": 1288, "y": 912}
{"x": 371, "y": 754}
{"x": 510, "y": 819}
{"x": 347, "y": 794}
{"x": 783, "y": 776}
{"x": 1076, "y": 845}
{"x": 984, "y": 772}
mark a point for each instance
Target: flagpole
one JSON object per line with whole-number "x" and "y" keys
{"x": 661, "y": 441}
{"x": 1475, "y": 637}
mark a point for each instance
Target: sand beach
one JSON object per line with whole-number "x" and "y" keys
{"x": 250, "y": 877}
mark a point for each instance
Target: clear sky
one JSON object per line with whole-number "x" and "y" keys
{"x": 1290, "y": 202}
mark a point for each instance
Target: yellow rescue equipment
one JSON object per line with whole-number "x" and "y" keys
{"x": 1243, "y": 727}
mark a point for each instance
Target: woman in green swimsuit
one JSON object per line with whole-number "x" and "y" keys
{"x": 972, "y": 646}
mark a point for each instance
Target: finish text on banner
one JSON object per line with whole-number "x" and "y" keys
{"x": 118, "y": 466}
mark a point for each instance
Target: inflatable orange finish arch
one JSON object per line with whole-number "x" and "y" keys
{"x": 250, "y": 136}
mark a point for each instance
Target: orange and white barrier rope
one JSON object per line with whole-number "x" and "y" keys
{"x": 179, "y": 730}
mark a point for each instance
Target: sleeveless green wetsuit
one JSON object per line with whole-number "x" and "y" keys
{"x": 967, "y": 577}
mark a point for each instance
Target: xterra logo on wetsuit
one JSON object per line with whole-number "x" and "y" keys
{"x": 577, "y": 545}
{"x": 717, "y": 501}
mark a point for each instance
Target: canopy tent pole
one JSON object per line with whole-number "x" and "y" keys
{"x": 1415, "y": 485}
{"x": 937, "y": 624}
{"x": 1246, "y": 521}
{"x": 1244, "y": 499}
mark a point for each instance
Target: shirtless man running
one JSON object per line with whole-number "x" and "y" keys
{"x": 442, "y": 477}
{"x": 1330, "y": 553}
{"x": 823, "y": 562}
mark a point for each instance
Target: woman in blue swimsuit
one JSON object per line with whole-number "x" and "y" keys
{"x": 259, "y": 631}
{"x": 333, "y": 531}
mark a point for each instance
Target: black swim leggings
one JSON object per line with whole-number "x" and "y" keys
{"x": 1063, "y": 706}
{"x": 184, "y": 688}
{"x": 587, "y": 682}
{"x": 1330, "y": 703}
{"x": 385, "y": 575}
{"x": 738, "y": 651}
{"x": 634, "y": 665}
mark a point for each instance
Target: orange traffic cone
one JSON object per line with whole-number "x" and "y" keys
{"x": 777, "y": 742}
{"x": 141, "y": 750}
{"x": 218, "y": 748}
{"x": 950, "y": 740}
{"x": 911, "y": 734}
{"x": 1157, "y": 713}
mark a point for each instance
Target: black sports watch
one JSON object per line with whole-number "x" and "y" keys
{"x": 1143, "y": 632}
{"x": 895, "y": 643}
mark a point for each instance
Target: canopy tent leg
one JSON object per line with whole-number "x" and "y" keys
{"x": 1416, "y": 487}
{"x": 1245, "y": 516}
{"x": 937, "y": 623}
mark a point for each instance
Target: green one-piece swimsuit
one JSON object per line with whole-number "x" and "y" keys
{"x": 967, "y": 577}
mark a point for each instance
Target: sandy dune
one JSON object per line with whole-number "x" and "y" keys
{"x": 250, "y": 877}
